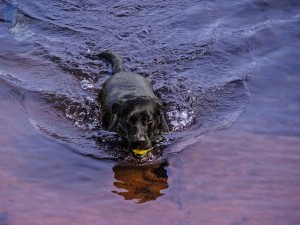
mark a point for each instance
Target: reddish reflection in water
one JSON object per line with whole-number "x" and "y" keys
{"x": 143, "y": 183}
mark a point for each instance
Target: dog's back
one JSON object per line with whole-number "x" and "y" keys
{"x": 123, "y": 85}
{"x": 129, "y": 86}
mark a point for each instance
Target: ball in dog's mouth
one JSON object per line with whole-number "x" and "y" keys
{"x": 141, "y": 152}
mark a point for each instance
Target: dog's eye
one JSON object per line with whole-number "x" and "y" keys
{"x": 149, "y": 121}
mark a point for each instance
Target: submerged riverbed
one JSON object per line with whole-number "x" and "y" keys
{"x": 228, "y": 73}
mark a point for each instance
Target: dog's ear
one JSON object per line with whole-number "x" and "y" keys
{"x": 114, "y": 124}
{"x": 161, "y": 105}
{"x": 164, "y": 124}
{"x": 117, "y": 108}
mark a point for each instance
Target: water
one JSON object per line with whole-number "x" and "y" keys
{"x": 228, "y": 73}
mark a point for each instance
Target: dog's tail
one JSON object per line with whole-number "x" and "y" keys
{"x": 114, "y": 59}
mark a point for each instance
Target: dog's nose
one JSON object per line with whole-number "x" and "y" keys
{"x": 139, "y": 137}
{"x": 139, "y": 140}
{"x": 140, "y": 143}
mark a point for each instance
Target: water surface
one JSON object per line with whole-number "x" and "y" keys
{"x": 228, "y": 73}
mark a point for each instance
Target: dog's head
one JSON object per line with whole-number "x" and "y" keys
{"x": 140, "y": 121}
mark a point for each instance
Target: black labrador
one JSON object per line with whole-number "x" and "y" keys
{"x": 130, "y": 107}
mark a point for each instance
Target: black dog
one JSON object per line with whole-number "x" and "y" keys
{"x": 130, "y": 107}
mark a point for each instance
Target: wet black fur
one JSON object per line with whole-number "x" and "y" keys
{"x": 130, "y": 107}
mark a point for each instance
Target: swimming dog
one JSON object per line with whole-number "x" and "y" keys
{"x": 130, "y": 107}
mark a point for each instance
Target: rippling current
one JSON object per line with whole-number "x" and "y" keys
{"x": 197, "y": 58}
{"x": 228, "y": 72}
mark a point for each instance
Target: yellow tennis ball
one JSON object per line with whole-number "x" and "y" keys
{"x": 141, "y": 152}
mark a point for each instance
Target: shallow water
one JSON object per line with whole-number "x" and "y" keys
{"x": 228, "y": 73}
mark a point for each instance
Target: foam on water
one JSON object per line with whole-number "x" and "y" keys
{"x": 87, "y": 84}
{"x": 180, "y": 119}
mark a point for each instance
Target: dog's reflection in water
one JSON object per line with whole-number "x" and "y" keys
{"x": 142, "y": 183}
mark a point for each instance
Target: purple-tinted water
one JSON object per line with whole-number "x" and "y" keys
{"x": 229, "y": 73}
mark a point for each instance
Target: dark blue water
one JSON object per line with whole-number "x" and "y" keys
{"x": 228, "y": 72}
